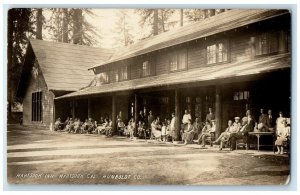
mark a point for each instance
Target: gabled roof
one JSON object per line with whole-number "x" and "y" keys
{"x": 64, "y": 65}
{"x": 219, "y": 23}
{"x": 208, "y": 73}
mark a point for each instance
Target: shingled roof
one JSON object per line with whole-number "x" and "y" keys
{"x": 219, "y": 23}
{"x": 65, "y": 66}
{"x": 210, "y": 73}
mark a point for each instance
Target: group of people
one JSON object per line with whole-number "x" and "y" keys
{"x": 266, "y": 123}
{"x": 89, "y": 126}
{"x": 153, "y": 128}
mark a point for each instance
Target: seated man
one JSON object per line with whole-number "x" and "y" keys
{"x": 198, "y": 127}
{"x": 241, "y": 134}
{"x": 141, "y": 129}
{"x": 188, "y": 133}
{"x": 231, "y": 129}
{"x": 90, "y": 126}
{"x": 120, "y": 127}
{"x": 84, "y": 127}
{"x": 206, "y": 132}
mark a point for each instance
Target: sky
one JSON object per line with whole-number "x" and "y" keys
{"x": 104, "y": 21}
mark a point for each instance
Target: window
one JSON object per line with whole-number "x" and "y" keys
{"x": 178, "y": 60}
{"x": 123, "y": 73}
{"x": 114, "y": 75}
{"x": 217, "y": 53}
{"x": 241, "y": 95}
{"x": 266, "y": 43}
{"x": 103, "y": 78}
{"x": 146, "y": 69}
{"x": 36, "y": 110}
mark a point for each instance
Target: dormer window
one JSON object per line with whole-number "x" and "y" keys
{"x": 178, "y": 60}
{"x": 217, "y": 53}
{"x": 266, "y": 43}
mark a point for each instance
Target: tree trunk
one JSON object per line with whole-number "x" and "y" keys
{"x": 39, "y": 24}
{"x": 65, "y": 30}
{"x": 77, "y": 26}
{"x": 181, "y": 17}
{"x": 155, "y": 22}
{"x": 9, "y": 61}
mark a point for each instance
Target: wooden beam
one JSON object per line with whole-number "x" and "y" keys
{"x": 113, "y": 113}
{"x": 177, "y": 115}
{"x": 218, "y": 110}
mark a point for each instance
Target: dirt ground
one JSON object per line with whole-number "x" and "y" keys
{"x": 36, "y": 156}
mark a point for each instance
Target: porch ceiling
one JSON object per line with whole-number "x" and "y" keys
{"x": 204, "y": 74}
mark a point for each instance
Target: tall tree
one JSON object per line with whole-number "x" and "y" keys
{"x": 19, "y": 26}
{"x": 181, "y": 17}
{"x": 70, "y": 25}
{"x": 158, "y": 19}
{"x": 39, "y": 24}
{"x": 77, "y": 26}
{"x": 122, "y": 28}
{"x": 65, "y": 26}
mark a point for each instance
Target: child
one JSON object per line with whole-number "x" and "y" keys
{"x": 282, "y": 136}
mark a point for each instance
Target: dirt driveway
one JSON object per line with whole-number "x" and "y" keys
{"x": 36, "y": 156}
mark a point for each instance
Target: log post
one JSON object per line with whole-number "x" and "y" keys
{"x": 73, "y": 109}
{"x": 218, "y": 110}
{"x": 177, "y": 115}
{"x": 89, "y": 108}
{"x": 113, "y": 113}
{"x": 283, "y": 46}
{"x": 136, "y": 112}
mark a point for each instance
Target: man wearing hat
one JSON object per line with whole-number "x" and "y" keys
{"x": 236, "y": 124}
{"x": 241, "y": 134}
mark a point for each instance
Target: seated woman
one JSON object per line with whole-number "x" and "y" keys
{"x": 283, "y": 135}
{"x": 70, "y": 125}
{"x": 101, "y": 128}
{"x": 129, "y": 130}
{"x": 77, "y": 125}
{"x": 156, "y": 129}
{"x": 188, "y": 133}
{"x": 57, "y": 125}
{"x": 108, "y": 129}
{"x": 206, "y": 132}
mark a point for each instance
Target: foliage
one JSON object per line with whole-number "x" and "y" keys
{"x": 122, "y": 28}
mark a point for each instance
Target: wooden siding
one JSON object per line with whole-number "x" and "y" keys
{"x": 36, "y": 84}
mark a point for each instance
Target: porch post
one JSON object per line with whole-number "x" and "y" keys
{"x": 89, "y": 108}
{"x": 135, "y": 113}
{"x": 177, "y": 114}
{"x": 218, "y": 110}
{"x": 113, "y": 113}
{"x": 73, "y": 109}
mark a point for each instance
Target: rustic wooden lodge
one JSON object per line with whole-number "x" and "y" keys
{"x": 233, "y": 61}
{"x": 51, "y": 70}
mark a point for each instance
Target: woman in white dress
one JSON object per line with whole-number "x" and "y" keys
{"x": 280, "y": 122}
{"x": 282, "y": 136}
